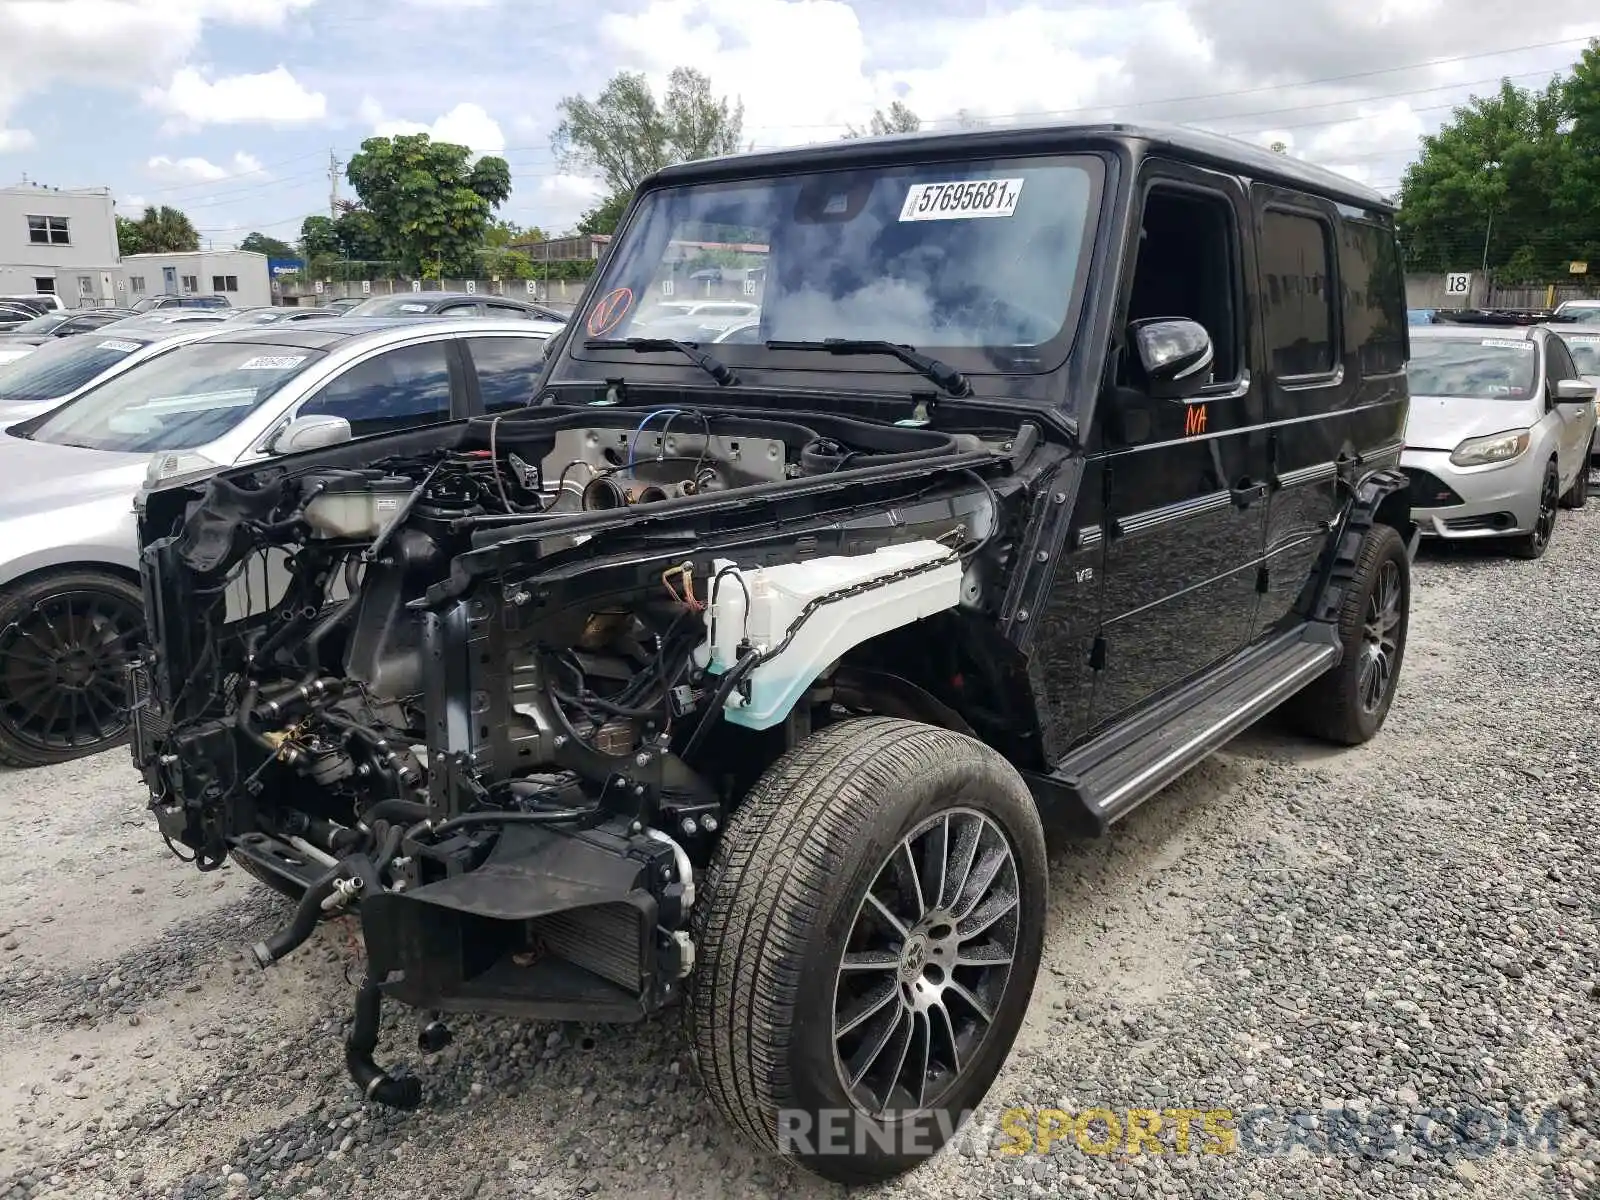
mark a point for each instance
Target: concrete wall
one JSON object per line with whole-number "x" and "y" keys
{"x": 144, "y": 275}
{"x": 81, "y": 272}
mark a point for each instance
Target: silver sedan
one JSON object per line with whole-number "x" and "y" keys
{"x": 70, "y": 603}
{"x": 1498, "y": 434}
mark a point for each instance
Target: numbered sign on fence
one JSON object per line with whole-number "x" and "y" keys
{"x": 416, "y": 285}
{"x": 1458, "y": 283}
{"x": 666, "y": 287}
{"x": 366, "y": 287}
{"x": 472, "y": 287}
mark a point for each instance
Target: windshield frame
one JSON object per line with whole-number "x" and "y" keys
{"x": 753, "y": 359}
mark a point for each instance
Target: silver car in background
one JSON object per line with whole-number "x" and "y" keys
{"x": 1585, "y": 351}
{"x": 70, "y": 603}
{"x": 58, "y": 371}
{"x": 1498, "y": 433}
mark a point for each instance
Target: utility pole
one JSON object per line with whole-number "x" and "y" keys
{"x": 333, "y": 185}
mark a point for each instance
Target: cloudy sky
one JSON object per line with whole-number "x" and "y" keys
{"x": 228, "y": 109}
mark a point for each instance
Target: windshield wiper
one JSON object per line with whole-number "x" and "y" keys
{"x": 941, "y": 374}
{"x": 715, "y": 368}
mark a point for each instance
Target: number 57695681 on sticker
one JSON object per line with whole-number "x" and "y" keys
{"x": 961, "y": 198}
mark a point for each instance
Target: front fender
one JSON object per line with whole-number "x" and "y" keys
{"x": 1377, "y": 498}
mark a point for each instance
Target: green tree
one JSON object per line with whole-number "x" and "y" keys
{"x": 163, "y": 230}
{"x": 603, "y": 217}
{"x": 129, "y": 238}
{"x": 625, "y": 133}
{"x": 899, "y": 119}
{"x": 319, "y": 239}
{"x": 429, "y": 207}
{"x": 1494, "y": 187}
{"x": 270, "y": 246}
{"x": 357, "y": 233}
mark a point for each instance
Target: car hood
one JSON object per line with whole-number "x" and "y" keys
{"x": 40, "y": 477}
{"x": 1444, "y": 422}
{"x": 23, "y": 339}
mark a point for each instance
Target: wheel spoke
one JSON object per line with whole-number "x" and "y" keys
{"x": 990, "y": 911}
{"x": 968, "y": 834}
{"x": 987, "y": 955}
{"x": 872, "y": 1049}
{"x": 982, "y": 876}
{"x": 864, "y": 1008}
{"x": 936, "y": 860}
{"x": 910, "y": 884}
{"x": 939, "y": 1019}
{"x": 870, "y": 960}
{"x": 893, "y": 921}
{"x": 971, "y": 1001}
{"x": 917, "y": 1057}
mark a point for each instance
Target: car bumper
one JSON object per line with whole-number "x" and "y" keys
{"x": 1448, "y": 501}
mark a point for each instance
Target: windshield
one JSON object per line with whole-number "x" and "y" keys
{"x": 978, "y": 262}
{"x": 59, "y": 368}
{"x": 1476, "y": 368}
{"x": 43, "y": 324}
{"x": 191, "y": 395}
{"x": 1585, "y": 349}
{"x": 388, "y": 306}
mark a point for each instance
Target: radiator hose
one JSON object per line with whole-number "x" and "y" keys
{"x": 375, "y": 1083}
{"x": 356, "y": 867}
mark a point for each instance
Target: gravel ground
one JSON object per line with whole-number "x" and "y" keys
{"x": 1329, "y": 946}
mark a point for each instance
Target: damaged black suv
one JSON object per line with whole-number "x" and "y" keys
{"x": 739, "y": 672}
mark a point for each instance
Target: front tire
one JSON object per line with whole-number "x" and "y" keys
{"x": 1347, "y": 706}
{"x": 1536, "y": 541}
{"x": 64, "y": 638}
{"x": 868, "y": 938}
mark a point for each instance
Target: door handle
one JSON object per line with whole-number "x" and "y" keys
{"x": 1246, "y": 492}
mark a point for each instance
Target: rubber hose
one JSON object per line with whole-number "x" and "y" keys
{"x": 375, "y": 1083}
{"x": 270, "y": 949}
{"x": 409, "y": 811}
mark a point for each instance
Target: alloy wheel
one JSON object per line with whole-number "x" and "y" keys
{"x": 61, "y": 670}
{"x": 926, "y": 964}
{"x": 1549, "y": 497}
{"x": 1380, "y": 637}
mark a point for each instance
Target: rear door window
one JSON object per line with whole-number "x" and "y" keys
{"x": 398, "y": 389}
{"x": 506, "y": 368}
{"x": 1296, "y": 254}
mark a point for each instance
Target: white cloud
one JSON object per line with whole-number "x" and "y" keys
{"x": 111, "y": 43}
{"x": 15, "y": 139}
{"x": 272, "y": 97}
{"x": 200, "y": 170}
{"x": 132, "y": 204}
{"x": 466, "y": 124}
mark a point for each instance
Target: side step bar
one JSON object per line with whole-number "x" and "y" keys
{"x": 1104, "y": 780}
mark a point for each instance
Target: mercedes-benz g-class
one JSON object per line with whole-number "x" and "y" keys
{"x": 738, "y": 676}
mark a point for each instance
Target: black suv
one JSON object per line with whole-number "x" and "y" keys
{"x": 740, "y": 679}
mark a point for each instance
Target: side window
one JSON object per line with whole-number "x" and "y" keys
{"x": 396, "y": 390}
{"x": 1296, "y": 302}
{"x": 1558, "y": 364}
{"x": 507, "y": 310}
{"x": 1374, "y": 297}
{"x": 506, "y": 367}
{"x": 1188, "y": 267}
{"x": 467, "y": 308}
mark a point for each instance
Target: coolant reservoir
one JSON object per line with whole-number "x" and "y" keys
{"x": 356, "y": 510}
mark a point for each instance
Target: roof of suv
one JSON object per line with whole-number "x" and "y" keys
{"x": 1193, "y": 144}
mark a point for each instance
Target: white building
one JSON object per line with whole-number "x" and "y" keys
{"x": 239, "y": 275}
{"x": 61, "y": 240}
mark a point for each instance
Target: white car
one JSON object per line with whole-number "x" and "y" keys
{"x": 1586, "y": 312}
{"x": 58, "y": 371}
{"x": 703, "y": 314}
{"x": 212, "y": 396}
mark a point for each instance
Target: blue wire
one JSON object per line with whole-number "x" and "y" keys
{"x": 633, "y": 446}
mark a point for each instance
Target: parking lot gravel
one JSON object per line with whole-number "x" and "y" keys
{"x": 1358, "y": 963}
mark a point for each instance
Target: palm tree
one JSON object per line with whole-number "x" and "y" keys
{"x": 165, "y": 229}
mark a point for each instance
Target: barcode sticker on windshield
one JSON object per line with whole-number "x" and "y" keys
{"x": 272, "y": 362}
{"x": 1507, "y": 343}
{"x": 119, "y": 345}
{"x": 961, "y": 198}
{"x": 413, "y": 308}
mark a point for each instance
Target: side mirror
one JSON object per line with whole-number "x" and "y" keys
{"x": 310, "y": 433}
{"x": 1175, "y": 356}
{"x": 1574, "y": 391}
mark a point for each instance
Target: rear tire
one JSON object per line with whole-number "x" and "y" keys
{"x": 835, "y": 975}
{"x": 1347, "y": 706}
{"x": 64, "y": 638}
{"x": 1578, "y": 494}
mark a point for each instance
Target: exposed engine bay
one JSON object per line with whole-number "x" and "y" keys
{"x": 495, "y": 686}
